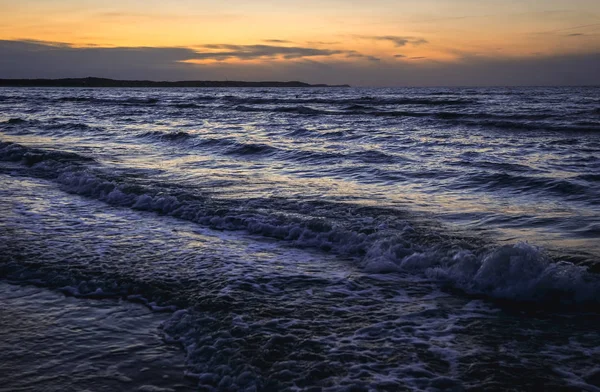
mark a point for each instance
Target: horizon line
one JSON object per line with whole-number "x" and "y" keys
{"x": 30, "y": 82}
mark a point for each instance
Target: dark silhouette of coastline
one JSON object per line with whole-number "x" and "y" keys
{"x": 102, "y": 82}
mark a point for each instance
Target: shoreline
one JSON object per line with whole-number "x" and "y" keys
{"x": 103, "y": 82}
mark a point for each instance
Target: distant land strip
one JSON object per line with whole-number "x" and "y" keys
{"x": 101, "y": 82}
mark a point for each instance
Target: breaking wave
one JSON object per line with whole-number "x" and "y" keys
{"x": 379, "y": 240}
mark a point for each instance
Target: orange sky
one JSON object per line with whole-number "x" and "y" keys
{"x": 452, "y": 29}
{"x": 245, "y": 39}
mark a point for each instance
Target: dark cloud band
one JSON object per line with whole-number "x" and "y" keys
{"x": 34, "y": 59}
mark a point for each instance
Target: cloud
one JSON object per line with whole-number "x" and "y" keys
{"x": 575, "y": 35}
{"x": 577, "y": 27}
{"x": 357, "y": 55}
{"x": 277, "y": 41}
{"x": 34, "y": 59}
{"x": 38, "y": 43}
{"x": 399, "y": 56}
{"x": 24, "y": 55}
{"x": 50, "y": 59}
{"x": 221, "y": 52}
{"x": 585, "y": 28}
{"x": 470, "y": 71}
{"x": 398, "y": 41}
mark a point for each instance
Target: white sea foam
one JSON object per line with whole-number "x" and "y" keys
{"x": 518, "y": 272}
{"x": 249, "y": 321}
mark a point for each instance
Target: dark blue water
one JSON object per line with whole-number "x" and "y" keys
{"x": 427, "y": 239}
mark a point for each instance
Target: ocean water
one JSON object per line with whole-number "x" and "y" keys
{"x": 311, "y": 239}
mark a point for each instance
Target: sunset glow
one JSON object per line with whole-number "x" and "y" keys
{"x": 371, "y": 35}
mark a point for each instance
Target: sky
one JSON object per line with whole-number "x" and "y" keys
{"x": 363, "y": 43}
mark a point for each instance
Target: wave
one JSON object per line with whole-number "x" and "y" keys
{"x": 250, "y": 149}
{"x": 69, "y": 126}
{"x": 312, "y": 111}
{"x": 226, "y": 146}
{"x": 186, "y": 105}
{"x": 141, "y": 101}
{"x": 336, "y": 135}
{"x": 492, "y": 116}
{"x": 283, "y": 109}
{"x": 372, "y": 156}
{"x": 532, "y": 125}
{"x": 205, "y": 98}
{"x": 14, "y": 152}
{"x": 500, "y": 166}
{"x": 15, "y": 121}
{"x": 234, "y": 147}
{"x": 358, "y": 108}
{"x": 514, "y": 272}
{"x": 77, "y": 99}
{"x": 508, "y": 121}
{"x": 50, "y": 128}
{"x": 354, "y": 110}
{"x": 454, "y": 110}
{"x": 133, "y": 101}
{"x": 329, "y": 134}
{"x": 564, "y": 142}
{"x": 380, "y": 240}
{"x": 301, "y": 132}
{"x": 520, "y": 183}
{"x": 589, "y": 177}
{"x": 167, "y": 136}
{"x": 299, "y": 110}
{"x": 369, "y": 100}
{"x": 285, "y": 100}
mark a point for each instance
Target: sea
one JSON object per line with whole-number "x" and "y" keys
{"x": 300, "y": 239}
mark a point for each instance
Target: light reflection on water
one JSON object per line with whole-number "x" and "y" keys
{"x": 451, "y": 159}
{"x": 332, "y": 246}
